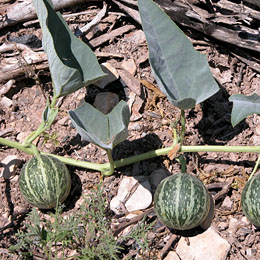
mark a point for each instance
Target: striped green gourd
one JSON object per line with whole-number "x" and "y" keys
{"x": 181, "y": 201}
{"x": 44, "y": 181}
{"x": 250, "y": 200}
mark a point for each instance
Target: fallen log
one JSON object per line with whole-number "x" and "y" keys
{"x": 22, "y": 11}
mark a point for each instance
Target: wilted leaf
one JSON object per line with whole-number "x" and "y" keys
{"x": 182, "y": 73}
{"x": 105, "y": 131}
{"x": 244, "y": 106}
{"x": 72, "y": 63}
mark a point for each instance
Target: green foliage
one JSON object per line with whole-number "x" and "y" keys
{"x": 72, "y": 63}
{"x": 105, "y": 131}
{"x": 244, "y": 106}
{"x": 182, "y": 73}
{"x": 87, "y": 232}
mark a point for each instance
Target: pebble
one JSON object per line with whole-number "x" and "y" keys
{"x": 112, "y": 75}
{"x": 129, "y": 65}
{"x": 6, "y": 102}
{"x": 140, "y": 199}
{"x": 207, "y": 245}
{"x": 10, "y": 164}
{"x": 233, "y": 225}
{"x": 106, "y": 101}
{"x": 64, "y": 121}
{"x": 227, "y": 203}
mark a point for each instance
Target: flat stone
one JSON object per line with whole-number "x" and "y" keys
{"x": 112, "y": 75}
{"x": 129, "y": 65}
{"x": 10, "y": 164}
{"x": 172, "y": 256}
{"x": 106, "y": 101}
{"x": 207, "y": 245}
{"x": 6, "y": 102}
{"x": 141, "y": 198}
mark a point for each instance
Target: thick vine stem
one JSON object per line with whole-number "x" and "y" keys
{"x": 145, "y": 156}
{"x": 111, "y": 162}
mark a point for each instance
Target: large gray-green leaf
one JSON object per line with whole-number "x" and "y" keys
{"x": 72, "y": 63}
{"x": 244, "y": 106}
{"x": 105, "y": 131}
{"x": 182, "y": 73}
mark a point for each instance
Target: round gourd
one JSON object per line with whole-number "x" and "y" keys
{"x": 181, "y": 201}
{"x": 250, "y": 200}
{"x": 44, "y": 181}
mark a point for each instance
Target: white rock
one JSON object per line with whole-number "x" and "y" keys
{"x": 140, "y": 199}
{"x": 112, "y": 75}
{"x": 10, "y": 164}
{"x": 172, "y": 256}
{"x": 106, "y": 101}
{"x": 156, "y": 177}
{"x": 6, "y": 102}
{"x": 207, "y": 245}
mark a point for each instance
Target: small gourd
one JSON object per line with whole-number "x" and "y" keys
{"x": 250, "y": 200}
{"x": 44, "y": 181}
{"x": 181, "y": 201}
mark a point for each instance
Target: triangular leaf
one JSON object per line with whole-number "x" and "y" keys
{"x": 105, "y": 131}
{"x": 244, "y": 106}
{"x": 182, "y": 73}
{"x": 72, "y": 63}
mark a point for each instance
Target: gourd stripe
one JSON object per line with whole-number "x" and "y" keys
{"x": 177, "y": 208}
{"x": 29, "y": 182}
{"x": 46, "y": 194}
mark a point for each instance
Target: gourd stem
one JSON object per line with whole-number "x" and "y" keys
{"x": 183, "y": 126}
{"x": 111, "y": 163}
{"x": 145, "y": 156}
{"x": 44, "y": 124}
{"x": 255, "y": 168}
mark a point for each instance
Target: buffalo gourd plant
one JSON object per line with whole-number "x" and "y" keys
{"x": 181, "y": 72}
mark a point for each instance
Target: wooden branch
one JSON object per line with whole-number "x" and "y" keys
{"x": 22, "y": 11}
{"x": 254, "y": 2}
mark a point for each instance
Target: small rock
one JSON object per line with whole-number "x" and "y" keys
{"x": 130, "y": 66}
{"x": 140, "y": 199}
{"x": 64, "y": 121}
{"x": 21, "y": 136}
{"x": 172, "y": 256}
{"x": 233, "y": 225}
{"x": 112, "y": 75}
{"x": 156, "y": 177}
{"x": 227, "y": 203}
{"x": 207, "y": 245}
{"x": 135, "y": 126}
{"x": 6, "y": 102}
{"x": 245, "y": 220}
{"x": 106, "y": 101}
{"x": 10, "y": 164}
{"x": 137, "y": 37}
